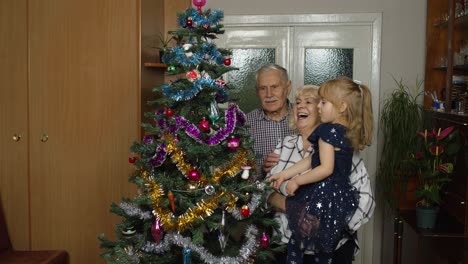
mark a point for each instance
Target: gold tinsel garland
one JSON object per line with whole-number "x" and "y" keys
{"x": 231, "y": 169}
{"x": 204, "y": 207}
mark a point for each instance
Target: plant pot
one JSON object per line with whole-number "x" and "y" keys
{"x": 426, "y": 217}
{"x": 161, "y": 54}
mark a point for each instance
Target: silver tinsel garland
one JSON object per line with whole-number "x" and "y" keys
{"x": 248, "y": 249}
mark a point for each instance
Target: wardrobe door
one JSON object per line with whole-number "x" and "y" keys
{"x": 84, "y": 89}
{"x": 14, "y": 120}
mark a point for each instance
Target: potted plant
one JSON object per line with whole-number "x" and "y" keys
{"x": 400, "y": 119}
{"x": 433, "y": 162}
{"x": 164, "y": 44}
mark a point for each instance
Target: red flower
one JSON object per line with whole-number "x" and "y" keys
{"x": 437, "y": 150}
{"x": 445, "y": 133}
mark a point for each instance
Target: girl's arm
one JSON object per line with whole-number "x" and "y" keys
{"x": 325, "y": 169}
{"x": 301, "y": 166}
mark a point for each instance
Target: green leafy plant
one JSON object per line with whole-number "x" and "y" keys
{"x": 400, "y": 119}
{"x": 165, "y": 41}
{"x": 434, "y": 162}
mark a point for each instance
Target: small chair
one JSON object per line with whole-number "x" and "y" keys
{"x": 9, "y": 255}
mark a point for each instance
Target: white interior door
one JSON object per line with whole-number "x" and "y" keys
{"x": 313, "y": 48}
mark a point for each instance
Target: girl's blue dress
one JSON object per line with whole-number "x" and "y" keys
{"x": 319, "y": 212}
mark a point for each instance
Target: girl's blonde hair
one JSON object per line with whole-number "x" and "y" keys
{"x": 303, "y": 90}
{"x": 358, "y": 113}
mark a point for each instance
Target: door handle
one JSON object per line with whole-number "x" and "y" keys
{"x": 16, "y": 137}
{"x": 44, "y": 137}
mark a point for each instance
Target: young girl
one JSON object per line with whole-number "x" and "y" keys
{"x": 319, "y": 210}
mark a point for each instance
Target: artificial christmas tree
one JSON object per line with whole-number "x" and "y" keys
{"x": 198, "y": 201}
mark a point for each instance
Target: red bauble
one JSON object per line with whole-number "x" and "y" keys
{"x": 189, "y": 22}
{"x": 169, "y": 112}
{"x": 233, "y": 143}
{"x": 245, "y": 211}
{"x": 132, "y": 159}
{"x": 227, "y": 61}
{"x": 204, "y": 125}
{"x": 264, "y": 241}
{"x": 194, "y": 175}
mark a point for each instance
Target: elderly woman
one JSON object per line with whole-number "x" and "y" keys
{"x": 304, "y": 119}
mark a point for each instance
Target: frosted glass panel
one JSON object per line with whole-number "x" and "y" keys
{"x": 243, "y": 80}
{"x": 321, "y": 65}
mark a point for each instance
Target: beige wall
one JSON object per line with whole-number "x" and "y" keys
{"x": 402, "y": 55}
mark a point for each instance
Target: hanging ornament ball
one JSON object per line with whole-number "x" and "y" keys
{"x": 204, "y": 125}
{"x": 199, "y": 3}
{"x": 169, "y": 112}
{"x": 171, "y": 68}
{"x": 209, "y": 189}
{"x": 194, "y": 175}
{"x": 245, "y": 211}
{"x": 132, "y": 159}
{"x": 264, "y": 241}
{"x": 206, "y": 26}
{"x": 129, "y": 231}
{"x": 233, "y": 143}
{"x": 227, "y": 61}
{"x": 189, "y": 22}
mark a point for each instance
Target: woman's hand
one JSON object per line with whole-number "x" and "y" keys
{"x": 291, "y": 187}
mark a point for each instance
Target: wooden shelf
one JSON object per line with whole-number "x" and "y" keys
{"x": 155, "y": 65}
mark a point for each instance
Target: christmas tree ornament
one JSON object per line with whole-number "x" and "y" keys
{"x": 206, "y": 26}
{"x": 193, "y": 75}
{"x": 171, "y": 68}
{"x": 245, "y": 211}
{"x": 129, "y": 231}
{"x": 186, "y": 47}
{"x": 245, "y": 174}
{"x": 222, "y": 237}
{"x": 264, "y": 241}
{"x": 131, "y": 159}
{"x": 170, "y": 196}
{"x": 227, "y": 61}
{"x": 187, "y": 252}
{"x": 157, "y": 231}
{"x": 233, "y": 143}
{"x": 204, "y": 125}
{"x": 194, "y": 175}
{"x": 214, "y": 113}
{"x": 209, "y": 189}
{"x": 199, "y": 4}
{"x": 169, "y": 112}
{"x": 189, "y": 22}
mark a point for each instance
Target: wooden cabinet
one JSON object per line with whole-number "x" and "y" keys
{"x": 447, "y": 52}
{"x": 70, "y": 109}
{"x": 447, "y": 76}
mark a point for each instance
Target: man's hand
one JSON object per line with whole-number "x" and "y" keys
{"x": 270, "y": 161}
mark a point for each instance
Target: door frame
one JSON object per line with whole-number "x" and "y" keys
{"x": 370, "y": 233}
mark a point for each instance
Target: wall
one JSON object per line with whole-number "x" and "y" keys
{"x": 402, "y": 56}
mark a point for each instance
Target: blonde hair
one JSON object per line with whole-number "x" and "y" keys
{"x": 303, "y": 90}
{"x": 358, "y": 113}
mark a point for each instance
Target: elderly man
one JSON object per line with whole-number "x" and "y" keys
{"x": 268, "y": 125}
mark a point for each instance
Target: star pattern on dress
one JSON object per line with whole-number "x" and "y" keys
{"x": 333, "y": 130}
{"x": 319, "y": 205}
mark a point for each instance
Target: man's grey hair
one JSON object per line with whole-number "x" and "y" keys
{"x": 272, "y": 66}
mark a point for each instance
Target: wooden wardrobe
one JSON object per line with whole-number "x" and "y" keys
{"x": 69, "y": 111}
